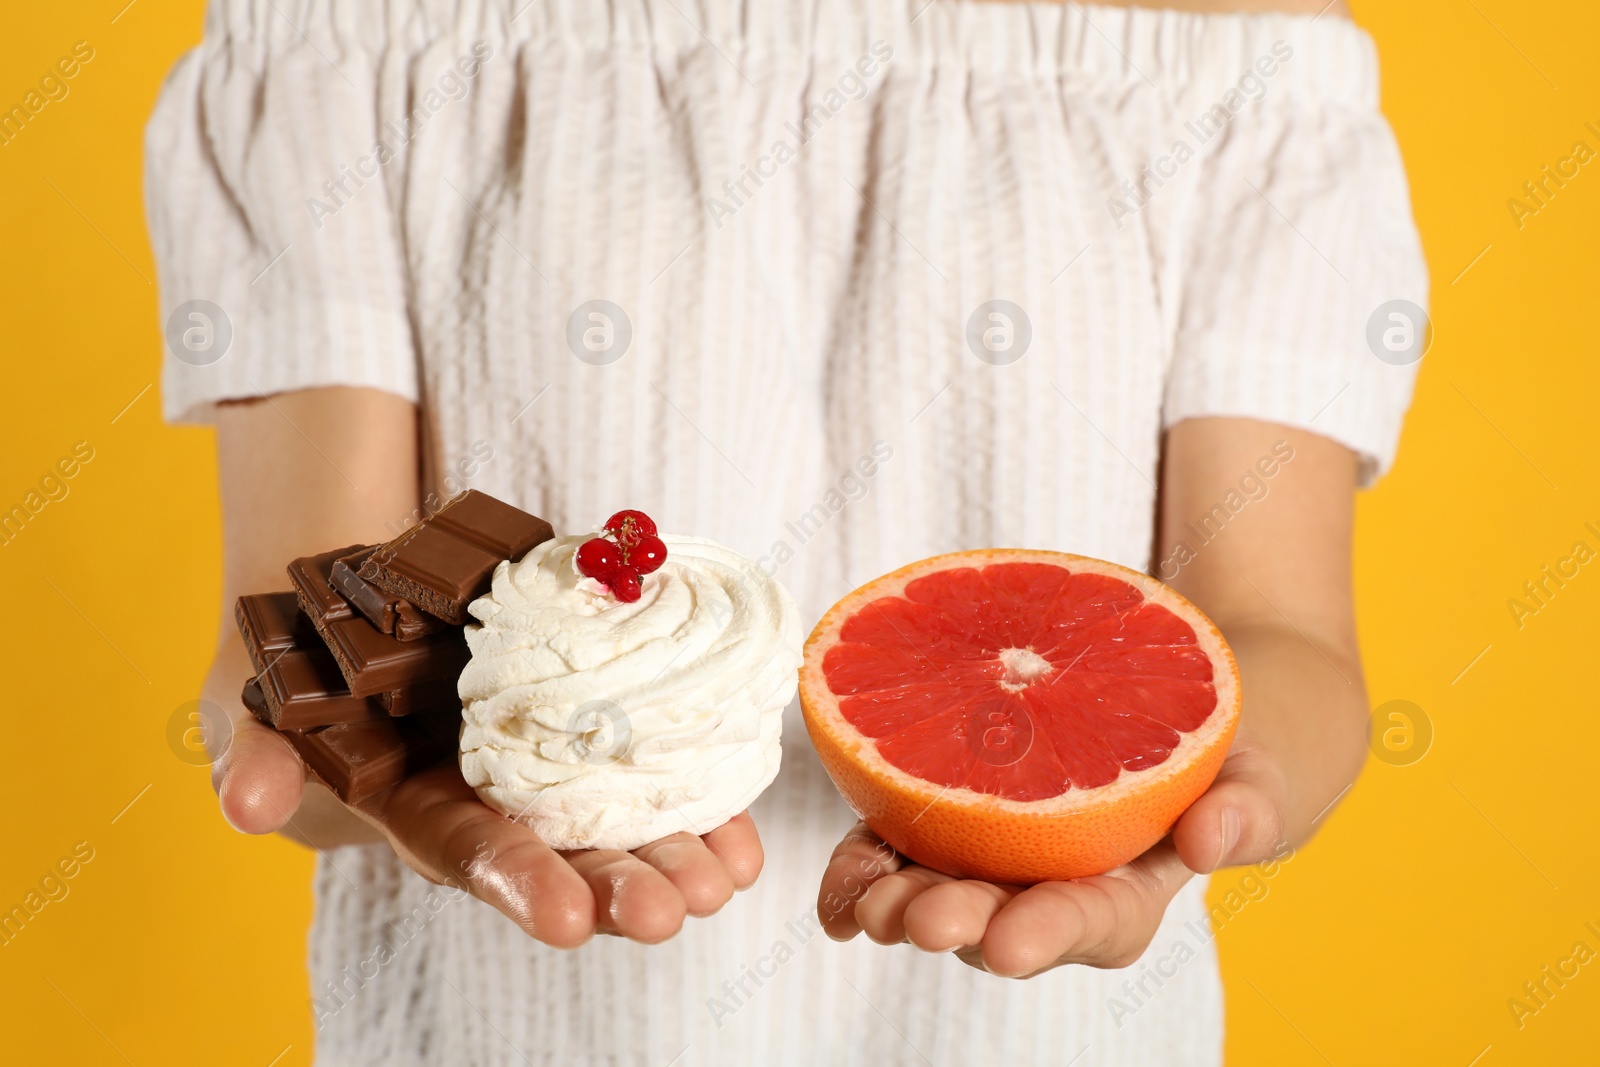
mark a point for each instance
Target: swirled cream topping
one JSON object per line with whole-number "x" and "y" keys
{"x": 603, "y": 724}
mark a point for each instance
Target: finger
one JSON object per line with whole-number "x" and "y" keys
{"x": 261, "y": 779}
{"x": 954, "y": 914}
{"x": 1238, "y": 820}
{"x": 1104, "y": 921}
{"x": 437, "y": 824}
{"x": 632, "y": 898}
{"x": 703, "y": 880}
{"x": 738, "y": 846}
{"x": 881, "y": 911}
{"x": 859, "y": 860}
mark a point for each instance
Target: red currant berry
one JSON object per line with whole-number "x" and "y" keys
{"x": 597, "y": 559}
{"x": 625, "y": 584}
{"x": 648, "y": 555}
{"x": 630, "y": 526}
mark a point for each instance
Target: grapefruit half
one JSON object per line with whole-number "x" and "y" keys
{"x": 1019, "y": 716}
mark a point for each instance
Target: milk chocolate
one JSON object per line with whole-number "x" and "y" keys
{"x": 373, "y": 662}
{"x": 421, "y": 699}
{"x": 370, "y": 660}
{"x": 254, "y": 700}
{"x": 384, "y": 610}
{"x": 446, "y": 561}
{"x": 318, "y": 598}
{"x": 271, "y": 623}
{"x": 359, "y": 759}
{"x": 359, "y": 681}
{"x": 303, "y": 688}
{"x": 300, "y": 682}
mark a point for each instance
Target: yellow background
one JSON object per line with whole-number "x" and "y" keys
{"x": 1433, "y": 894}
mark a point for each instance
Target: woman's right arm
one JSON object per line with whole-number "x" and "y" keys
{"x": 300, "y": 473}
{"x": 304, "y": 471}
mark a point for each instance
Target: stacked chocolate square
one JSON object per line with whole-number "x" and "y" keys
{"x": 357, "y": 666}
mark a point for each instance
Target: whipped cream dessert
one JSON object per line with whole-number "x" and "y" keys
{"x": 606, "y": 724}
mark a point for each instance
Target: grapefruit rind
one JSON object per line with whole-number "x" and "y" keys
{"x": 978, "y": 835}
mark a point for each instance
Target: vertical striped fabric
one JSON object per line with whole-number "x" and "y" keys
{"x": 800, "y": 210}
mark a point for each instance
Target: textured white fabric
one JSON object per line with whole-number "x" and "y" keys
{"x": 798, "y": 385}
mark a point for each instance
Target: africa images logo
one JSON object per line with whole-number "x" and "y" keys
{"x": 851, "y": 85}
{"x": 453, "y": 83}
{"x": 1249, "y": 89}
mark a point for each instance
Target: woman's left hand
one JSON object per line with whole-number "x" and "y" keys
{"x": 1278, "y": 584}
{"x": 1016, "y": 932}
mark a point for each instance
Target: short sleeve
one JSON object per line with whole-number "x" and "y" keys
{"x": 1304, "y": 289}
{"x": 279, "y": 260}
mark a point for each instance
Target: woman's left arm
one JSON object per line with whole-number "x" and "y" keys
{"x": 1274, "y": 575}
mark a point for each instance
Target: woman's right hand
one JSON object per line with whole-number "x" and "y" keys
{"x": 438, "y": 826}
{"x": 306, "y": 471}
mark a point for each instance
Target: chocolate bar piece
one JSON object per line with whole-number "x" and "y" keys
{"x": 271, "y": 623}
{"x": 300, "y": 682}
{"x": 373, "y": 662}
{"x": 303, "y": 688}
{"x": 370, "y": 660}
{"x": 318, "y": 598}
{"x": 255, "y": 701}
{"x": 446, "y": 561}
{"x": 421, "y": 699}
{"x": 359, "y": 759}
{"x": 300, "y": 709}
{"x": 384, "y": 610}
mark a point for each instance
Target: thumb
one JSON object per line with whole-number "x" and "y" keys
{"x": 1240, "y": 819}
{"x": 259, "y": 779}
